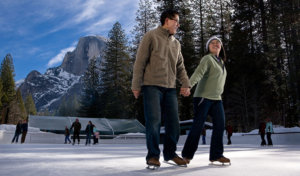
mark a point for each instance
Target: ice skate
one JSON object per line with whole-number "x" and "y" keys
{"x": 187, "y": 160}
{"x": 223, "y": 161}
{"x": 153, "y": 164}
{"x": 177, "y": 161}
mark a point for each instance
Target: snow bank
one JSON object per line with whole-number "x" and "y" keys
{"x": 8, "y": 127}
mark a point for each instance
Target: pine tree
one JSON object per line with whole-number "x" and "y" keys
{"x": 90, "y": 99}
{"x": 1, "y": 95}
{"x": 116, "y": 75}
{"x": 8, "y": 85}
{"x": 21, "y": 104}
{"x": 16, "y": 109}
{"x": 245, "y": 57}
{"x": 30, "y": 105}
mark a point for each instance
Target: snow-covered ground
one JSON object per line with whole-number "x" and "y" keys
{"x": 126, "y": 156}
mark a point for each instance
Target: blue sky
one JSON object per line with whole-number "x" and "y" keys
{"x": 38, "y": 33}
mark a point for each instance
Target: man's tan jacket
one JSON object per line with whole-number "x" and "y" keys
{"x": 159, "y": 61}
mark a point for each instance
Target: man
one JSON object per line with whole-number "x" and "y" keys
{"x": 77, "y": 126}
{"x": 24, "y": 128}
{"x": 158, "y": 64}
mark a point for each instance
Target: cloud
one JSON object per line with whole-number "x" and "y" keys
{"x": 59, "y": 57}
{"x": 90, "y": 10}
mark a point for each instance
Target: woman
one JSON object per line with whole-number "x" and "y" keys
{"x": 269, "y": 131}
{"x": 89, "y": 132}
{"x": 210, "y": 76}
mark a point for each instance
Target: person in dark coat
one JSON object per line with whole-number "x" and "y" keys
{"x": 67, "y": 135}
{"x": 77, "y": 127}
{"x": 262, "y": 128}
{"x": 17, "y": 132}
{"x": 89, "y": 132}
{"x": 24, "y": 128}
{"x": 229, "y": 131}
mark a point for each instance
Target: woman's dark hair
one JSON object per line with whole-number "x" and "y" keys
{"x": 168, "y": 14}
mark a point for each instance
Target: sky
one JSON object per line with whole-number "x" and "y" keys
{"x": 38, "y": 33}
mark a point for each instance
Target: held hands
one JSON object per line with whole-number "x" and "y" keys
{"x": 185, "y": 92}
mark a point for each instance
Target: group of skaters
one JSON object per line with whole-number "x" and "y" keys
{"x": 90, "y": 131}
{"x": 21, "y": 128}
{"x": 266, "y": 128}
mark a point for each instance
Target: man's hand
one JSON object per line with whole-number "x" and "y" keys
{"x": 136, "y": 93}
{"x": 185, "y": 92}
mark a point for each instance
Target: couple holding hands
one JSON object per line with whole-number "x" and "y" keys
{"x": 159, "y": 63}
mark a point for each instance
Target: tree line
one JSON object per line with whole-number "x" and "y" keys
{"x": 12, "y": 106}
{"x": 260, "y": 37}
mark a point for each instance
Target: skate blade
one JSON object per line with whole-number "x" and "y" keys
{"x": 174, "y": 164}
{"x": 218, "y": 163}
{"x": 152, "y": 167}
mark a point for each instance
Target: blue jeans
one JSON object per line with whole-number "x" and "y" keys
{"x": 88, "y": 138}
{"x": 161, "y": 102}
{"x": 67, "y": 138}
{"x": 202, "y": 108}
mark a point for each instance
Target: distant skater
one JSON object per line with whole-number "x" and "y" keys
{"x": 269, "y": 131}
{"x": 24, "y": 128}
{"x": 262, "y": 132}
{"x": 229, "y": 131}
{"x": 67, "y": 135}
{"x": 96, "y": 135}
{"x": 89, "y": 132}
{"x": 77, "y": 127}
{"x": 17, "y": 131}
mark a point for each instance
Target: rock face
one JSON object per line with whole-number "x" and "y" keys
{"x": 63, "y": 81}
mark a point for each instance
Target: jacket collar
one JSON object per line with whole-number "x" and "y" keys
{"x": 164, "y": 31}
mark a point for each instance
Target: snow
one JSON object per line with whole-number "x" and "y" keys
{"x": 19, "y": 82}
{"x": 42, "y": 155}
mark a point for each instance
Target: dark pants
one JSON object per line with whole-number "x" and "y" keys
{"x": 263, "y": 141}
{"x": 202, "y": 108}
{"x": 76, "y": 136}
{"x": 24, "y": 133}
{"x": 16, "y": 137}
{"x": 203, "y": 139}
{"x": 229, "y": 139}
{"x": 269, "y": 138}
{"x": 161, "y": 102}
{"x": 88, "y": 138}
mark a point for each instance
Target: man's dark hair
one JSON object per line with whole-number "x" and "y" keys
{"x": 168, "y": 14}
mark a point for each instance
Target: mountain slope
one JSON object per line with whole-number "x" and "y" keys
{"x": 65, "y": 80}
